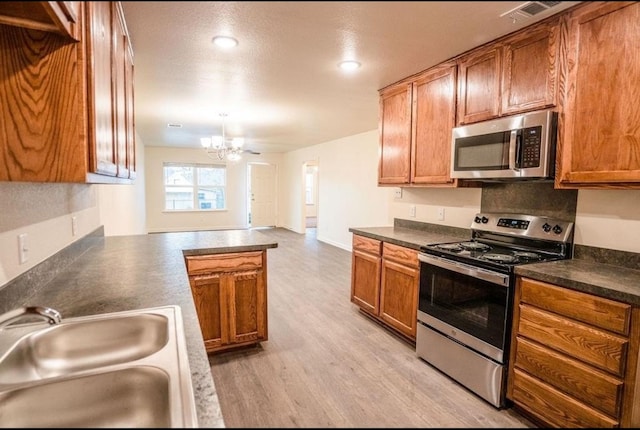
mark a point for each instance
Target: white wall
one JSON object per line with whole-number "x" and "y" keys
{"x": 234, "y": 217}
{"x": 348, "y": 195}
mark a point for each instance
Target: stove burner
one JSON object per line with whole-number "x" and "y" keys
{"x": 450, "y": 246}
{"x": 500, "y": 258}
{"x": 475, "y": 246}
{"x": 526, "y": 255}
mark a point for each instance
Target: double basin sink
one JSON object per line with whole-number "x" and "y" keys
{"x": 121, "y": 369}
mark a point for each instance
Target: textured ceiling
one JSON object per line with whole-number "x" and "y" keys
{"x": 281, "y": 86}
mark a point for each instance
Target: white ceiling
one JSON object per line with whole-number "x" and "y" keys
{"x": 281, "y": 86}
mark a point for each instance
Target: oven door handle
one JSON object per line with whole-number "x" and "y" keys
{"x": 465, "y": 269}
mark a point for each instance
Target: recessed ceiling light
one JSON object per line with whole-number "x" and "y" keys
{"x": 349, "y": 65}
{"x": 225, "y": 41}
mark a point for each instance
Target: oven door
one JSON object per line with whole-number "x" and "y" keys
{"x": 466, "y": 303}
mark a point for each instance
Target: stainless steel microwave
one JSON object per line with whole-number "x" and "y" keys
{"x": 516, "y": 147}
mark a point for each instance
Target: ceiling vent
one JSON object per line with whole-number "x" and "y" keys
{"x": 529, "y": 9}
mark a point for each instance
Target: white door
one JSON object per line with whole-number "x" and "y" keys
{"x": 262, "y": 197}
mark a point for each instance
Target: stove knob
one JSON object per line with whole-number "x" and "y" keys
{"x": 557, "y": 229}
{"x": 477, "y": 220}
{"x": 546, "y": 227}
{"x": 485, "y": 220}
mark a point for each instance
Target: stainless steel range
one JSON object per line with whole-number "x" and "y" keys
{"x": 466, "y": 296}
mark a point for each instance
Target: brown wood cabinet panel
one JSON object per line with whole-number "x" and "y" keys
{"x": 366, "y": 244}
{"x": 60, "y": 17}
{"x": 211, "y": 304}
{"x": 434, "y": 115}
{"x": 529, "y": 72}
{"x": 130, "y": 112}
{"x": 395, "y": 135}
{"x": 479, "y": 84}
{"x": 399, "y": 296}
{"x": 599, "y": 141}
{"x": 400, "y": 254}
{"x": 600, "y": 312}
{"x": 595, "y": 388}
{"x": 365, "y": 281}
{"x": 555, "y": 407}
{"x": 231, "y": 262}
{"x": 598, "y": 348}
{"x": 247, "y": 300}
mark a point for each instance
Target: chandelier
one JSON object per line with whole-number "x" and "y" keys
{"x": 218, "y": 148}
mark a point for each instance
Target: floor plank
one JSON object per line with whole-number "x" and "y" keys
{"x": 327, "y": 365}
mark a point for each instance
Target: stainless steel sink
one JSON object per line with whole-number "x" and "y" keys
{"x": 122, "y": 369}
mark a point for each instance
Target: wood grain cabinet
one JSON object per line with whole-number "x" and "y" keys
{"x": 416, "y": 118}
{"x": 384, "y": 283}
{"x": 574, "y": 357}
{"x": 599, "y": 133}
{"x": 60, "y": 17}
{"x": 515, "y": 74}
{"x": 68, "y": 106}
{"x": 230, "y": 295}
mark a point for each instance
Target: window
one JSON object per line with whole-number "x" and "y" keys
{"x": 189, "y": 187}
{"x": 309, "y": 189}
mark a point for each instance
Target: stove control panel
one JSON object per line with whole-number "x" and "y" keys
{"x": 530, "y": 226}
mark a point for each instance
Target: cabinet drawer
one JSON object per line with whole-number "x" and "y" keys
{"x": 400, "y": 254}
{"x": 365, "y": 244}
{"x": 593, "y": 387}
{"x": 238, "y": 261}
{"x": 556, "y": 408}
{"x": 604, "y": 350}
{"x": 594, "y": 310}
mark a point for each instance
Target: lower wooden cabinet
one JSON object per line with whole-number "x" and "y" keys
{"x": 384, "y": 283}
{"x": 230, "y": 295}
{"x": 574, "y": 357}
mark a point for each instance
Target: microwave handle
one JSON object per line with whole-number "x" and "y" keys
{"x": 518, "y": 162}
{"x": 513, "y": 150}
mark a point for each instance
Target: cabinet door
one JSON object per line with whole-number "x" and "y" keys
{"x": 479, "y": 85}
{"x": 120, "y": 49}
{"x": 399, "y": 296}
{"x": 599, "y": 137}
{"x": 434, "y": 114}
{"x": 365, "y": 281}
{"x": 395, "y": 135}
{"x": 129, "y": 115}
{"x": 55, "y": 16}
{"x": 529, "y": 72}
{"x": 211, "y": 302}
{"x": 102, "y": 147}
{"x": 247, "y": 307}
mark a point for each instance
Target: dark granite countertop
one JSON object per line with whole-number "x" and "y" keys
{"x": 605, "y": 280}
{"x": 412, "y": 237}
{"x": 119, "y": 273}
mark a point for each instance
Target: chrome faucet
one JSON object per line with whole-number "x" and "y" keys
{"x": 49, "y": 314}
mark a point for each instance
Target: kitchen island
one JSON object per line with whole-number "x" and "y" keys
{"x": 100, "y": 274}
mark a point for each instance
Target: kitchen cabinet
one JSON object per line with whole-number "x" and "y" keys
{"x": 384, "y": 283}
{"x": 60, "y": 17}
{"x": 65, "y": 103}
{"x": 230, "y": 295}
{"x": 574, "y": 357}
{"x": 598, "y": 133}
{"x": 514, "y": 74}
{"x": 416, "y": 118}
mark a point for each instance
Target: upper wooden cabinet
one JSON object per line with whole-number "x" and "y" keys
{"x": 599, "y": 144}
{"x": 395, "y": 134}
{"x": 62, "y": 17}
{"x": 434, "y": 115}
{"x": 416, "y": 118}
{"x": 509, "y": 76}
{"x": 66, "y": 104}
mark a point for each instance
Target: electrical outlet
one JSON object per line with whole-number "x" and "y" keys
{"x": 23, "y": 248}
{"x": 412, "y": 211}
{"x": 74, "y": 226}
{"x": 398, "y": 194}
{"x": 440, "y": 214}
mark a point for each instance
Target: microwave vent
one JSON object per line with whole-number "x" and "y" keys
{"x": 529, "y": 9}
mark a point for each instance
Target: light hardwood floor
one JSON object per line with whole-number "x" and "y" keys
{"x": 327, "y": 365}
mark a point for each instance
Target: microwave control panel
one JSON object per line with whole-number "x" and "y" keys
{"x": 531, "y": 143}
